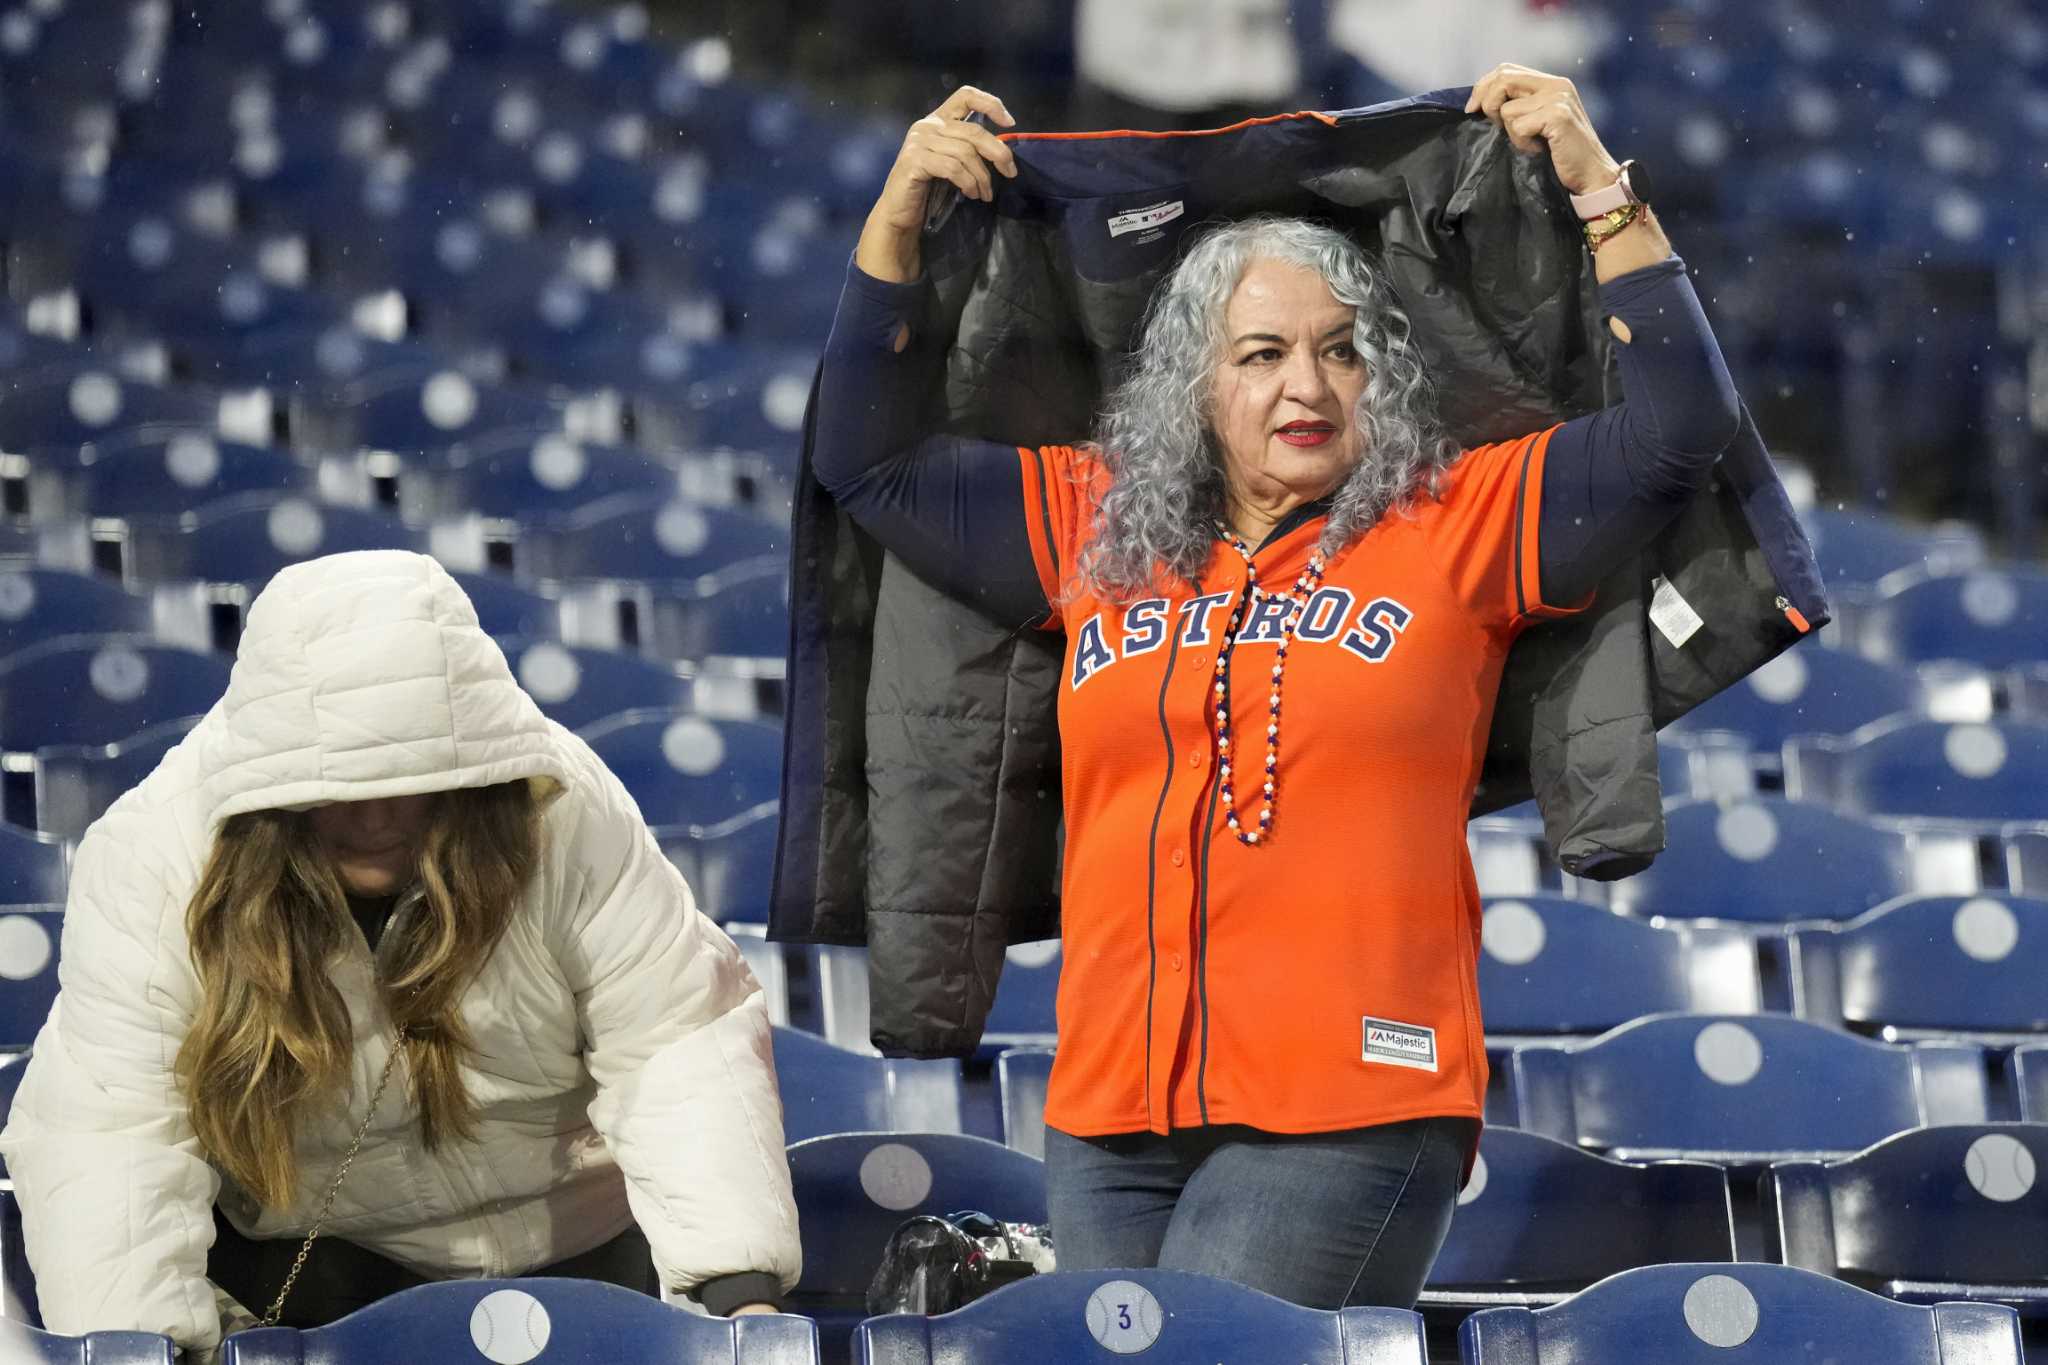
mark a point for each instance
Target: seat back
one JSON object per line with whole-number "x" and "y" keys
{"x": 33, "y": 867}
{"x": 1107, "y": 1315}
{"x": 41, "y": 604}
{"x": 75, "y": 783}
{"x": 826, "y": 1090}
{"x": 1741, "y": 1090}
{"x": 1943, "y": 1212}
{"x": 578, "y": 686}
{"x": 1740, "y": 1314}
{"x": 688, "y": 769}
{"x": 1986, "y": 772}
{"x": 505, "y": 1320}
{"x": 1751, "y": 861}
{"x": 650, "y": 540}
{"x": 1809, "y": 689}
{"x": 1991, "y": 617}
{"x": 1540, "y": 1219}
{"x": 1025, "y": 1010}
{"x": 29, "y": 938}
{"x": 1551, "y": 965}
{"x": 730, "y": 864}
{"x": 247, "y": 539}
{"x": 1943, "y": 964}
{"x": 101, "y": 690}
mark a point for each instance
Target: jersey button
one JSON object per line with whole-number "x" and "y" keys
{"x": 1176, "y": 961}
{"x": 1195, "y": 758}
{"x": 1179, "y": 857}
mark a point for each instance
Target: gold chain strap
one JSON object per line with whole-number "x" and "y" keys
{"x": 270, "y": 1318}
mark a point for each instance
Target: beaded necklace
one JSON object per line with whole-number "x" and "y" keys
{"x": 1304, "y": 587}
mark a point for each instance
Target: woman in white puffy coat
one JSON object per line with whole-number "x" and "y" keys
{"x": 375, "y": 860}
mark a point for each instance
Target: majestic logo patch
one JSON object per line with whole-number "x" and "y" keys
{"x": 1139, "y": 220}
{"x": 1394, "y": 1044}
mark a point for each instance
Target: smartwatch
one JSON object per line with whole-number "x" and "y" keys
{"x": 1632, "y": 187}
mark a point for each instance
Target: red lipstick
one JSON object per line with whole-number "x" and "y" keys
{"x": 1307, "y": 433}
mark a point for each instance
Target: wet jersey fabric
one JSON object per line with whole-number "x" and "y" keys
{"x": 1324, "y": 978}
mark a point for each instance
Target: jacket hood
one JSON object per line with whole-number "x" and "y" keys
{"x": 366, "y": 675}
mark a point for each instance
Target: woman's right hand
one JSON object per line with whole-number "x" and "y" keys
{"x": 940, "y": 146}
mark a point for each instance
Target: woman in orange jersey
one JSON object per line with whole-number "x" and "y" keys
{"x": 1286, "y": 597}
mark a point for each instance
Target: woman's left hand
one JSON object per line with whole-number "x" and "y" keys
{"x": 1538, "y": 110}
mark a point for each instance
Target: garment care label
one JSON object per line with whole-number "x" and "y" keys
{"x": 1138, "y": 220}
{"x": 1394, "y": 1044}
{"x": 1672, "y": 614}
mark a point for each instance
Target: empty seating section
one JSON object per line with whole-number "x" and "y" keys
{"x": 525, "y": 287}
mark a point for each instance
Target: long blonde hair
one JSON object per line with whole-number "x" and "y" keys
{"x": 272, "y": 1040}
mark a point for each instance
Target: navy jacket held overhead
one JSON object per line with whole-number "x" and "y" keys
{"x": 921, "y": 801}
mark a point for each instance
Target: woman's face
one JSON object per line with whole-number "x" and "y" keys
{"x": 375, "y": 845}
{"x": 1284, "y": 393}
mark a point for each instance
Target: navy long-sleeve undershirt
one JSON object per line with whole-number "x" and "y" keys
{"x": 953, "y": 508}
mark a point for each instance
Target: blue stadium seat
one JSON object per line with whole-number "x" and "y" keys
{"x": 37, "y": 605}
{"x": 64, "y": 411}
{"x": 11, "y": 1071}
{"x": 1024, "y": 1012}
{"x": 1539, "y": 1220}
{"x": 409, "y": 414}
{"x": 826, "y": 1089}
{"x": 750, "y": 398}
{"x": 1929, "y": 966}
{"x": 1742, "y": 1091}
{"x": 1705, "y": 765}
{"x": 1989, "y": 772}
{"x": 1991, "y": 617}
{"x": 527, "y": 477}
{"x": 685, "y": 769}
{"x": 1548, "y": 965}
{"x": 579, "y": 687}
{"x": 1745, "y": 1314}
{"x": 505, "y": 607}
{"x": 855, "y": 1189}
{"x": 2026, "y": 1076}
{"x": 1103, "y": 1315}
{"x": 18, "y": 1302}
{"x": 247, "y": 539}
{"x": 1753, "y": 862}
{"x": 733, "y": 619}
{"x": 126, "y": 685}
{"x": 75, "y": 783}
{"x": 580, "y": 1320}
{"x": 155, "y": 472}
{"x": 1807, "y": 690}
{"x": 33, "y": 867}
{"x": 729, "y": 864}
{"x": 1857, "y": 546}
{"x": 1022, "y": 1074}
{"x": 1925, "y": 1216}
{"x": 649, "y": 540}
{"x": 29, "y": 935}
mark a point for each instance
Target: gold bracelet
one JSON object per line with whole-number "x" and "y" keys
{"x": 1607, "y": 224}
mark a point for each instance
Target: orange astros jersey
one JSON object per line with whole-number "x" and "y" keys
{"x": 1326, "y": 978}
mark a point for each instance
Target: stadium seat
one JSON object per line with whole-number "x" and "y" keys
{"x": 1983, "y": 772}
{"x": 853, "y": 1190}
{"x": 1705, "y": 765}
{"x": 1024, "y": 1012}
{"x": 1508, "y": 853}
{"x": 33, "y": 1346}
{"x": 507, "y": 608}
{"x": 247, "y": 539}
{"x": 2026, "y": 1075}
{"x": 18, "y": 1302}
{"x": 765, "y": 961}
{"x": 11, "y": 1070}
{"x": 648, "y": 540}
{"x": 578, "y": 687}
{"x": 1022, "y": 1074}
{"x": 729, "y": 864}
{"x": 1709, "y": 1314}
{"x": 1767, "y": 860}
{"x": 33, "y": 867}
{"x": 409, "y": 414}
{"x": 29, "y": 935}
{"x": 75, "y": 783}
{"x": 40, "y": 604}
{"x": 1540, "y": 1220}
{"x": 685, "y": 769}
{"x": 1741, "y": 1091}
{"x": 1925, "y": 1216}
{"x": 155, "y": 472}
{"x": 528, "y": 477}
{"x": 1548, "y": 965}
{"x": 1994, "y": 618}
{"x": 735, "y": 619}
{"x": 1929, "y": 966}
{"x": 1102, "y": 1315}
{"x": 826, "y": 1089}
{"x": 125, "y": 685}
{"x": 517, "y": 1319}
{"x": 1857, "y": 546}
{"x": 62, "y": 412}
{"x": 1807, "y": 690}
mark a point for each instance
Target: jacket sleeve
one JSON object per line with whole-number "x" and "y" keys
{"x": 116, "y": 1199}
{"x": 676, "y": 1037}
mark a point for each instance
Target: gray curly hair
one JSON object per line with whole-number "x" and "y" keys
{"x": 1166, "y": 491}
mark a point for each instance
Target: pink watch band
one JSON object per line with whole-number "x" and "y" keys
{"x": 1591, "y": 206}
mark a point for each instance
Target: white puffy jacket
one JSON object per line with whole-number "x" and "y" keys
{"x": 622, "y": 1068}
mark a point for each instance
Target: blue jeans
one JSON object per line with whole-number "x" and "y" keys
{"x": 1328, "y": 1220}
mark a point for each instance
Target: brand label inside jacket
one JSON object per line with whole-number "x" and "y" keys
{"x": 1137, "y": 220}
{"x": 1394, "y": 1044}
